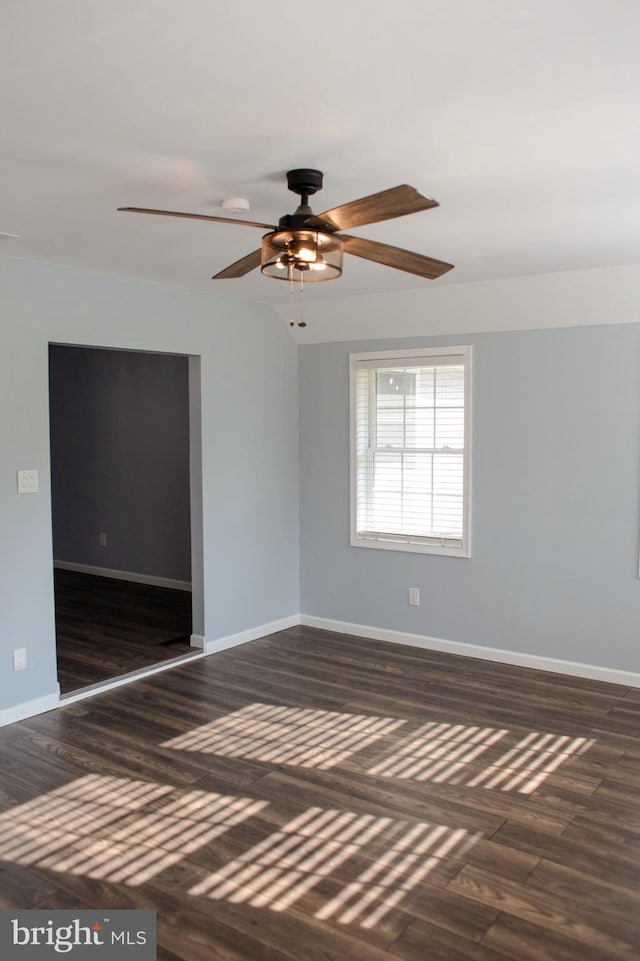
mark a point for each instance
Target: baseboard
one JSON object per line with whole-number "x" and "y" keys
{"x": 139, "y": 675}
{"x": 537, "y": 662}
{"x": 9, "y": 715}
{"x": 573, "y": 668}
{"x": 232, "y": 640}
{"x": 30, "y": 708}
{"x": 124, "y": 575}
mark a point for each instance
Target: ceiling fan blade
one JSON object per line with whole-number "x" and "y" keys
{"x": 394, "y": 202}
{"x": 177, "y": 213}
{"x": 240, "y": 267}
{"x": 396, "y": 257}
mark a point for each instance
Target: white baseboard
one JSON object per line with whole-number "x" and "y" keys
{"x": 124, "y": 575}
{"x": 138, "y": 675}
{"x": 535, "y": 661}
{"x": 572, "y": 668}
{"x": 232, "y": 640}
{"x": 30, "y": 708}
{"x": 9, "y": 715}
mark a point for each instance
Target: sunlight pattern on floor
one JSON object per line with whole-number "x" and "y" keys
{"x": 95, "y": 827}
{"x": 286, "y": 735}
{"x": 282, "y": 868}
{"x": 448, "y": 754}
{"x": 530, "y": 762}
{"x": 437, "y": 752}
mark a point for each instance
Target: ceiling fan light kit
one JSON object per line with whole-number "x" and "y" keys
{"x": 308, "y": 248}
{"x": 306, "y": 255}
{"x": 296, "y": 252}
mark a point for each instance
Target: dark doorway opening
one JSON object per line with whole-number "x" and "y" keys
{"x": 121, "y": 511}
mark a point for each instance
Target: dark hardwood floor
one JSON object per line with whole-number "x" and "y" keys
{"x": 315, "y": 797}
{"x": 107, "y": 627}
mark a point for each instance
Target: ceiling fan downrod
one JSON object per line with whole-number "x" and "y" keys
{"x": 305, "y": 182}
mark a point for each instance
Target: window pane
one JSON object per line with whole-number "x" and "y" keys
{"x": 420, "y": 427}
{"x": 387, "y": 473}
{"x": 416, "y": 514}
{"x": 423, "y": 393}
{"x": 390, "y": 428}
{"x": 417, "y": 478}
{"x": 449, "y": 428}
{"x": 392, "y": 386}
{"x": 447, "y": 474}
{"x": 447, "y": 516}
{"x": 450, "y": 386}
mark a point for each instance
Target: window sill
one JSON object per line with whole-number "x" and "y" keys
{"x": 386, "y": 545}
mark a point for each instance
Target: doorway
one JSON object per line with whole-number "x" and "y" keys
{"x": 126, "y": 511}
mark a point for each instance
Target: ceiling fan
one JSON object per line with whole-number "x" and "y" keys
{"x": 309, "y": 247}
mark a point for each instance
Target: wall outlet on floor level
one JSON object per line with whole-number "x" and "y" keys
{"x": 20, "y": 659}
{"x": 102, "y": 539}
{"x": 414, "y": 597}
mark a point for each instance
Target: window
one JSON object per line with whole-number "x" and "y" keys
{"x": 410, "y": 416}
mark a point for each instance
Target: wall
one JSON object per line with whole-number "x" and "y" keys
{"x": 249, "y": 448}
{"x": 120, "y": 460}
{"x": 555, "y": 501}
{"x": 556, "y": 463}
{"x": 570, "y": 298}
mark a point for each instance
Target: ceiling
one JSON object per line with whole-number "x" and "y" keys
{"x": 521, "y": 118}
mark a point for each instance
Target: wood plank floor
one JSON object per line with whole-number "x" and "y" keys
{"x": 328, "y": 798}
{"x": 107, "y": 627}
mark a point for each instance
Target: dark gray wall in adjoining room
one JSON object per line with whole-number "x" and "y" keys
{"x": 120, "y": 460}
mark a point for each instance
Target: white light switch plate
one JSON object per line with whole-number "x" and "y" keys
{"x": 28, "y": 482}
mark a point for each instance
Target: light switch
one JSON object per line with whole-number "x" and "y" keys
{"x": 28, "y": 482}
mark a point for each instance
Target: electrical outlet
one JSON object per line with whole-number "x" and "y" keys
{"x": 414, "y": 597}
{"x": 20, "y": 659}
{"x": 102, "y": 539}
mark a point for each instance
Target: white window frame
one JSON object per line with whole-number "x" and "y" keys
{"x": 411, "y": 357}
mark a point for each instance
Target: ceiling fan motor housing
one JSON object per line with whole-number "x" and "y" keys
{"x": 304, "y": 181}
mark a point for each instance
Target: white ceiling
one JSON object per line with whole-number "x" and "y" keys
{"x": 521, "y": 117}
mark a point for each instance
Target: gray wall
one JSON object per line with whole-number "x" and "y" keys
{"x": 120, "y": 460}
{"x": 555, "y": 502}
{"x": 249, "y": 447}
{"x": 555, "y": 487}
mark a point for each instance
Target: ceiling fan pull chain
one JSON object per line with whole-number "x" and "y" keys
{"x": 302, "y": 322}
{"x": 291, "y": 320}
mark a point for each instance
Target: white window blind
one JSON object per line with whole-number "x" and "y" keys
{"x": 410, "y": 427}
